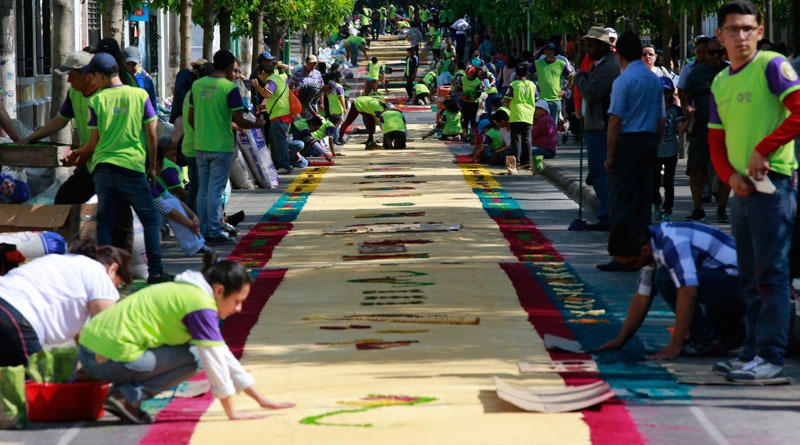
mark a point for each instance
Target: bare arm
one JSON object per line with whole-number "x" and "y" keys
{"x": 684, "y": 312}
{"x": 637, "y": 311}
{"x": 99, "y": 305}
{"x": 55, "y": 124}
{"x": 8, "y": 125}
{"x": 151, "y": 137}
{"x": 84, "y": 152}
{"x": 238, "y": 117}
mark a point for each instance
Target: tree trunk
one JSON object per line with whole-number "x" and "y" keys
{"x": 62, "y": 46}
{"x": 208, "y": 29}
{"x": 668, "y": 27}
{"x": 697, "y": 21}
{"x": 8, "y": 78}
{"x": 247, "y": 59}
{"x": 277, "y": 32}
{"x": 314, "y": 42}
{"x": 257, "y": 20}
{"x": 225, "y": 29}
{"x": 635, "y": 22}
{"x": 173, "y": 57}
{"x": 186, "y": 33}
{"x": 112, "y": 20}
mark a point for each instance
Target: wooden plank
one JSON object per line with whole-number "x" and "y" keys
{"x": 34, "y": 155}
{"x": 530, "y": 400}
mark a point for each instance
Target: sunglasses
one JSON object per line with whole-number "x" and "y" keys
{"x": 715, "y": 52}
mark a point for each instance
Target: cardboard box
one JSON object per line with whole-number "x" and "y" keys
{"x": 66, "y": 219}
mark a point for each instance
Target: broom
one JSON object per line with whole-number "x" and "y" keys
{"x": 579, "y": 223}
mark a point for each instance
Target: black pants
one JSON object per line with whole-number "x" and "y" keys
{"x": 394, "y": 140}
{"x": 79, "y": 187}
{"x": 469, "y": 111}
{"x": 668, "y": 164}
{"x": 410, "y": 86}
{"x": 631, "y": 178}
{"x": 521, "y": 142}
{"x": 18, "y": 340}
{"x": 369, "y": 122}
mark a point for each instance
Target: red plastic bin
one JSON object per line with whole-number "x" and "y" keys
{"x": 65, "y": 402}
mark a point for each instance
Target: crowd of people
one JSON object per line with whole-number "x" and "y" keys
{"x": 737, "y": 102}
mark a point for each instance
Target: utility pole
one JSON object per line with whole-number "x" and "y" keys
{"x": 768, "y": 20}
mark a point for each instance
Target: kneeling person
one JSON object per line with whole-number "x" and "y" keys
{"x": 693, "y": 266}
{"x": 393, "y": 126}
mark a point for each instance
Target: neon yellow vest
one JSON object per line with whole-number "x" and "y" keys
{"x": 392, "y": 121}
{"x": 524, "y": 101}
{"x": 452, "y": 123}
{"x": 334, "y": 105}
{"x": 277, "y": 105}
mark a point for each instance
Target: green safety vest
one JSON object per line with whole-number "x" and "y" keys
{"x": 471, "y": 88}
{"x": 524, "y": 101}
{"x": 497, "y": 139}
{"x": 374, "y": 70}
{"x": 277, "y": 105}
{"x": 452, "y": 123}
{"x": 393, "y": 121}
{"x": 334, "y": 105}
{"x": 420, "y": 88}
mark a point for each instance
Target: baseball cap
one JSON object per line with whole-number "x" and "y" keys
{"x": 668, "y": 85}
{"x": 311, "y": 59}
{"x": 108, "y": 45}
{"x": 483, "y": 124}
{"x": 75, "y": 61}
{"x": 541, "y": 103}
{"x": 266, "y": 55}
{"x": 199, "y": 62}
{"x": 132, "y": 55}
{"x": 101, "y": 63}
{"x": 551, "y": 45}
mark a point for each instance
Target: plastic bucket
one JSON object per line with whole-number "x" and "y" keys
{"x": 65, "y": 402}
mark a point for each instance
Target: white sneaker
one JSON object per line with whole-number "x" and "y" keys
{"x": 757, "y": 370}
{"x": 726, "y": 366}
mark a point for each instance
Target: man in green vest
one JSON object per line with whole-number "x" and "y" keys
{"x": 410, "y": 72}
{"x": 521, "y": 100}
{"x": 376, "y": 71}
{"x": 395, "y": 133}
{"x": 276, "y": 104}
{"x": 370, "y": 108}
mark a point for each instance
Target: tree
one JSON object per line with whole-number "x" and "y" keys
{"x": 112, "y": 19}
{"x": 62, "y": 46}
{"x": 208, "y": 28}
{"x": 8, "y": 78}
{"x": 185, "y": 13}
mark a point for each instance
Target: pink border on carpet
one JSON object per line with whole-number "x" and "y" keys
{"x": 609, "y": 423}
{"x": 176, "y": 423}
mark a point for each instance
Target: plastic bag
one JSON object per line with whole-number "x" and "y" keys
{"x": 240, "y": 174}
{"x": 40, "y": 367}
{"x": 14, "y": 185}
{"x": 12, "y": 398}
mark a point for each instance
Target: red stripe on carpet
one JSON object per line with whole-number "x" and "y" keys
{"x": 610, "y": 422}
{"x": 320, "y": 163}
{"x": 255, "y": 249}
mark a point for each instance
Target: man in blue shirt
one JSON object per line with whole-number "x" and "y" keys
{"x": 694, "y": 267}
{"x": 636, "y": 122}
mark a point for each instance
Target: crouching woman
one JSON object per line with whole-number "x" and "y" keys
{"x": 165, "y": 334}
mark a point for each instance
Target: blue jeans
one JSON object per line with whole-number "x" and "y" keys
{"x": 539, "y": 151}
{"x": 297, "y": 160}
{"x": 191, "y": 193}
{"x": 555, "y": 109}
{"x": 598, "y": 176}
{"x": 212, "y": 175}
{"x": 279, "y": 144}
{"x": 720, "y": 307}
{"x": 762, "y": 225}
{"x": 488, "y": 104}
{"x": 154, "y": 371}
{"x": 114, "y": 184}
{"x": 354, "y": 53}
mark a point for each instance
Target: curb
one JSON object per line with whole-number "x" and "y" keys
{"x": 570, "y": 185}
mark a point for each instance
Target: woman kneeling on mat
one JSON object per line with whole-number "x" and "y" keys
{"x": 164, "y": 334}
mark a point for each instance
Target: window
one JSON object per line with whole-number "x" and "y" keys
{"x": 93, "y": 21}
{"x": 34, "y": 37}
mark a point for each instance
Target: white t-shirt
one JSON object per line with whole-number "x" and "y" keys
{"x": 505, "y": 133}
{"x": 53, "y": 293}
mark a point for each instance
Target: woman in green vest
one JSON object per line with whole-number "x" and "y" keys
{"x": 376, "y": 71}
{"x": 450, "y": 124}
{"x": 393, "y": 125}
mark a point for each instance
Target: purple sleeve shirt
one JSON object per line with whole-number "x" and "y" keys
{"x": 171, "y": 178}
{"x": 149, "y": 112}
{"x": 235, "y": 100}
{"x": 203, "y": 325}
{"x": 776, "y": 80}
{"x": 66, "y": 110}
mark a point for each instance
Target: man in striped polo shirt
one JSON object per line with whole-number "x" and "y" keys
{"x": 693, "y": 266}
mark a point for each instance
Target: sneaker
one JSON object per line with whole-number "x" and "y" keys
{"x": 703, "y": 347}
{"x": 755, "y": 371}
{"x": 221, "y": 239}
{"x": 162, "y": 278}
{"x": 658, "y": 214}
{"x": 722, "y": 216}
{"x": 726, "y": 366}
{"x": 283, "y": 171}
{"x": 127, "y": 412}
{"x": 696, "y": 215}
{"x": 230, "y": 230}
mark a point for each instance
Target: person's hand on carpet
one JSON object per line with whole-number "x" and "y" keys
{"x": 613, "y": 345}
{"x": 268, "y": 404}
